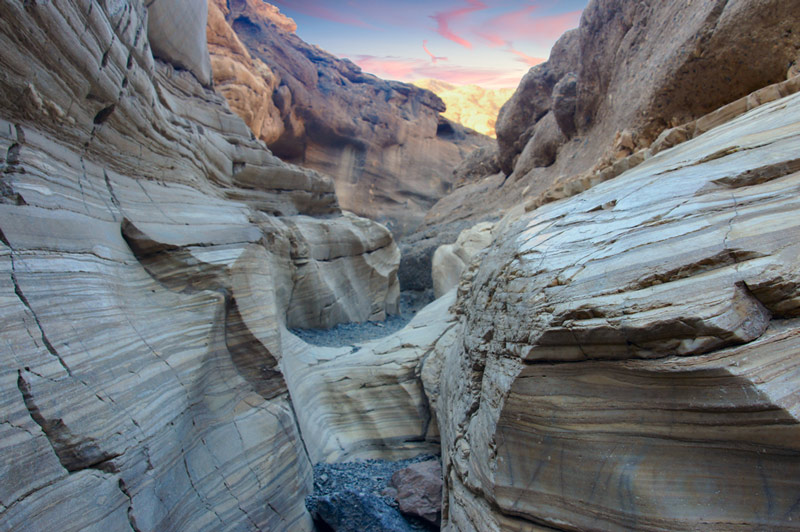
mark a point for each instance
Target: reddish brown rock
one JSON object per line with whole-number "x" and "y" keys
{"x": 419, "y": 490}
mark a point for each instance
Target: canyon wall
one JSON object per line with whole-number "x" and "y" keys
{"x": 627, "y": 359}
{"x": 622, "y": 356}
{"x": 389, "y": 150}
{"x": 631, "y": 71}
{"x": 153, "y": 254}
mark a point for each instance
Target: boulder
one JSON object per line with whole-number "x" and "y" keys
{"x": 450, "y": 260}
{"x": 419, "y": 490}
{"x": 565, "y": 102}
{"x": 542, "y": 148}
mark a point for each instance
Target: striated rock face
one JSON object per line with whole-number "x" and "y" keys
{"x": 366, "y": 401}
{"x": 469, "y": 105}
{"x": 151, "y": 254}
{"x": 631, "y": 71}
{"x": 627, "y": 359}
{"x": 385, "y": 144}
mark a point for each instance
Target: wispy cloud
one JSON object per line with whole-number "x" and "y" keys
{"x": 434, "y": 58}
{"x": 409, "y": 69}
{"x": 444, "y": 18}
{"x": 316, "y": 8}
{"x": 525, "y": 58}
{"x": 525, "y": 24}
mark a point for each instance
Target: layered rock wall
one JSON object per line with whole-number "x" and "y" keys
{"x": 152, "y": 253}
{"x": 627, "y": 359}
{"x": 631, "y": 71}
{"x": 385, "y": 144}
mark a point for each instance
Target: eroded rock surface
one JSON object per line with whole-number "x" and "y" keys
{"x": 631, "y": 71}
{"x": 627, "y": 358}
{"x": 366, "y": 400}
{"x": 384, "y": 143}
{"x": 450, "y": 260}
{"x": 151, "y": 252}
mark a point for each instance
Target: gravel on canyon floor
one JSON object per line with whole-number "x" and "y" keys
{"x": 353, "y": 496}
{"x": 352, "y": 333}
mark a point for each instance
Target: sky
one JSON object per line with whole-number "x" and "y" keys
{"x": 487, "y": 43}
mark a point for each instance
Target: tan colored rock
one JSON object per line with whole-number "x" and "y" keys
{"x": 146, "y": 249}
{"x": 450, "y": 260}
{"x": 388, "y": 149}
{"x": 627, "y": 358}
{"x": 183, "y": 45}
{"x": 248, "y": 84}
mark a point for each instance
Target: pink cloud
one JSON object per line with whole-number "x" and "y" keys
{"x": 315, "y": 8}
{"x": 494, "y": 40}
{"x": 433, "y": 57}
{"x": 443, "y": 19}
{"x": 524, "y": 58}
{"x": 409, "y": 69}
{"x": 523, "y": 24}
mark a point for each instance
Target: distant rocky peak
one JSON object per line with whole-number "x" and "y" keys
{"x": 263, "y": 11}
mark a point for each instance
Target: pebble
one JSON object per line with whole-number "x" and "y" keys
{"x": 353, "y": 333}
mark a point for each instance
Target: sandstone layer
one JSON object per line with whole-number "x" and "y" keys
{"x": 627, "y": 359}
{"x": 385, "y": 143}
{"x": 152, "y": 254}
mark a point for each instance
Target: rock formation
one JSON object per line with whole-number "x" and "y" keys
{"x": 469, "y": 105}
{"x": 419, "y": 490}
{"x": 152, "y": 254}
{"x": 628, "y": 358}
{"x": 629, "y": 72}
{"x": 388, "y": 149}
{"x": 623, "y": 356}
{"x": 450, "y": 260}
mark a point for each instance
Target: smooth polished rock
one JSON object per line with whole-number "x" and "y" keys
{"x": 147, "y": 270}
{"x": 627, "y": 358}
{"x": 185, "y": 45}
{"x": 366, "y": 401}
{"x": 450, "y": 260}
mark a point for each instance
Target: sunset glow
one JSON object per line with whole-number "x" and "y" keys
{"x": 463, "y": 42}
